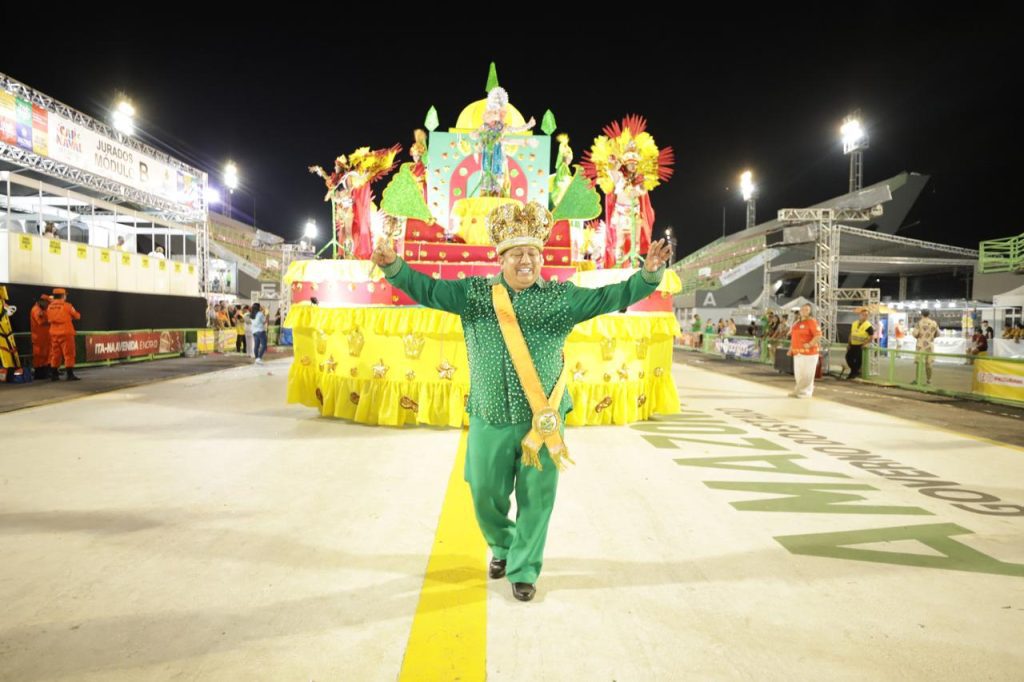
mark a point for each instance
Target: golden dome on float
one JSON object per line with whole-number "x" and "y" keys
{"x": 472, "y": 117}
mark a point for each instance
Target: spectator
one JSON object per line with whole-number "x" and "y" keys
{"x": 259, "y": 332}
{"x": 697, "y": 328}
{"x": 158, "y": 252}
{"x": 899, "y": 332}
{"x": 240, "y": 336}
{"x": 781, "y": 329}
{"x": 979, "y": 345}
{"x": 765, "y": 331}
{"x": 222, "y": 317}
{"x": 925, "y": 332}
{"x": 987, "y": 330}
{"x": 250, "y": 341}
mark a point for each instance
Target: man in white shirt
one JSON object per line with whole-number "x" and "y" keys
{"x": 259, "y": 332}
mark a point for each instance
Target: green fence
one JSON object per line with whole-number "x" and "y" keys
{"x": 997, "y": 380}
{"x": 189, "y": 343}
{"x": 1001, "y": 255}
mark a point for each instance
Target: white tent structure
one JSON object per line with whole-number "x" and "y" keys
{"x": 1010, "y": 299}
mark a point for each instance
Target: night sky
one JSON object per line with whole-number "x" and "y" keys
{"x": 935, "y": 95}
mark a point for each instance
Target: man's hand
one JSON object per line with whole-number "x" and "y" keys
{"x": 658, "y": 255}
{"x": 383, "y": 255}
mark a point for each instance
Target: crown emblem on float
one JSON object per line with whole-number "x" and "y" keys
{"x": 641, "y": 348}
{"x": 413, "y": 345}
{"x": 607, "y": 348}
{"x": 355, "y": 342}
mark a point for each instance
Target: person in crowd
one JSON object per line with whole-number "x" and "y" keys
{"x": 259, "y": 332}
{"x": 925, "y": 332}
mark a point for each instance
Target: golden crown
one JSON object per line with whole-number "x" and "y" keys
{"x": 512, "y": 225}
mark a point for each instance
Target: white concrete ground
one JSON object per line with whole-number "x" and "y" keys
{"x": 200, "y": 529}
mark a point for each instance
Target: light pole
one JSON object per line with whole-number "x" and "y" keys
{"x": 123, "y": 118}
{"x": 747, "y": 189}
{"x": 724, "y": 203}
{"x": 309, "y": 233}
{"x": 231, "y": 182}
{"x": 855, "y": 141}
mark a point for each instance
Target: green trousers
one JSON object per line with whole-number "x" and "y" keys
{"x": 494, "y": 469}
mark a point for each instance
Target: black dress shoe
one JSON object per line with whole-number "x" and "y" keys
{"x": 523, "y": 591}
{"x": 497, "y": 568}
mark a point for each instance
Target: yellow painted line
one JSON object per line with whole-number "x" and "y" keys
{"x": 448, "y": 640}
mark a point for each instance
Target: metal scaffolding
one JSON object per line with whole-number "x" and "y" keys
{"x": 110, "y": 190}
{"x": 168, "y": 209}
{"x": 766, "y": 289}
{"x": 203, "y": 256}
{"x": 908, "y": 241}
{"x": 826, "y": 254}
{"x": 873, "y": 264}
{"x": 856, "y": 170}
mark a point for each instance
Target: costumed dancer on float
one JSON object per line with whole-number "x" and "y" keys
{"x": 627, "y": 164}
{"x": 562, "y": 178}
{"x": 418, "y": 152}
{"x": 490, "y": 141}
{"x": 348, "y": 190}
{"x": 515, "y": 326}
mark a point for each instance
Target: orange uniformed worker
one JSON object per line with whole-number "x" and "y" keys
{"x": 40, "y": 337}
{"x": 60, "y": 313}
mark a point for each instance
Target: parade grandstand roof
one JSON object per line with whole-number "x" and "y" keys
{"x": 871, "y": 247}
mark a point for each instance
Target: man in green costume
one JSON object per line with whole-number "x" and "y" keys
{"x": 515, "y": 326}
